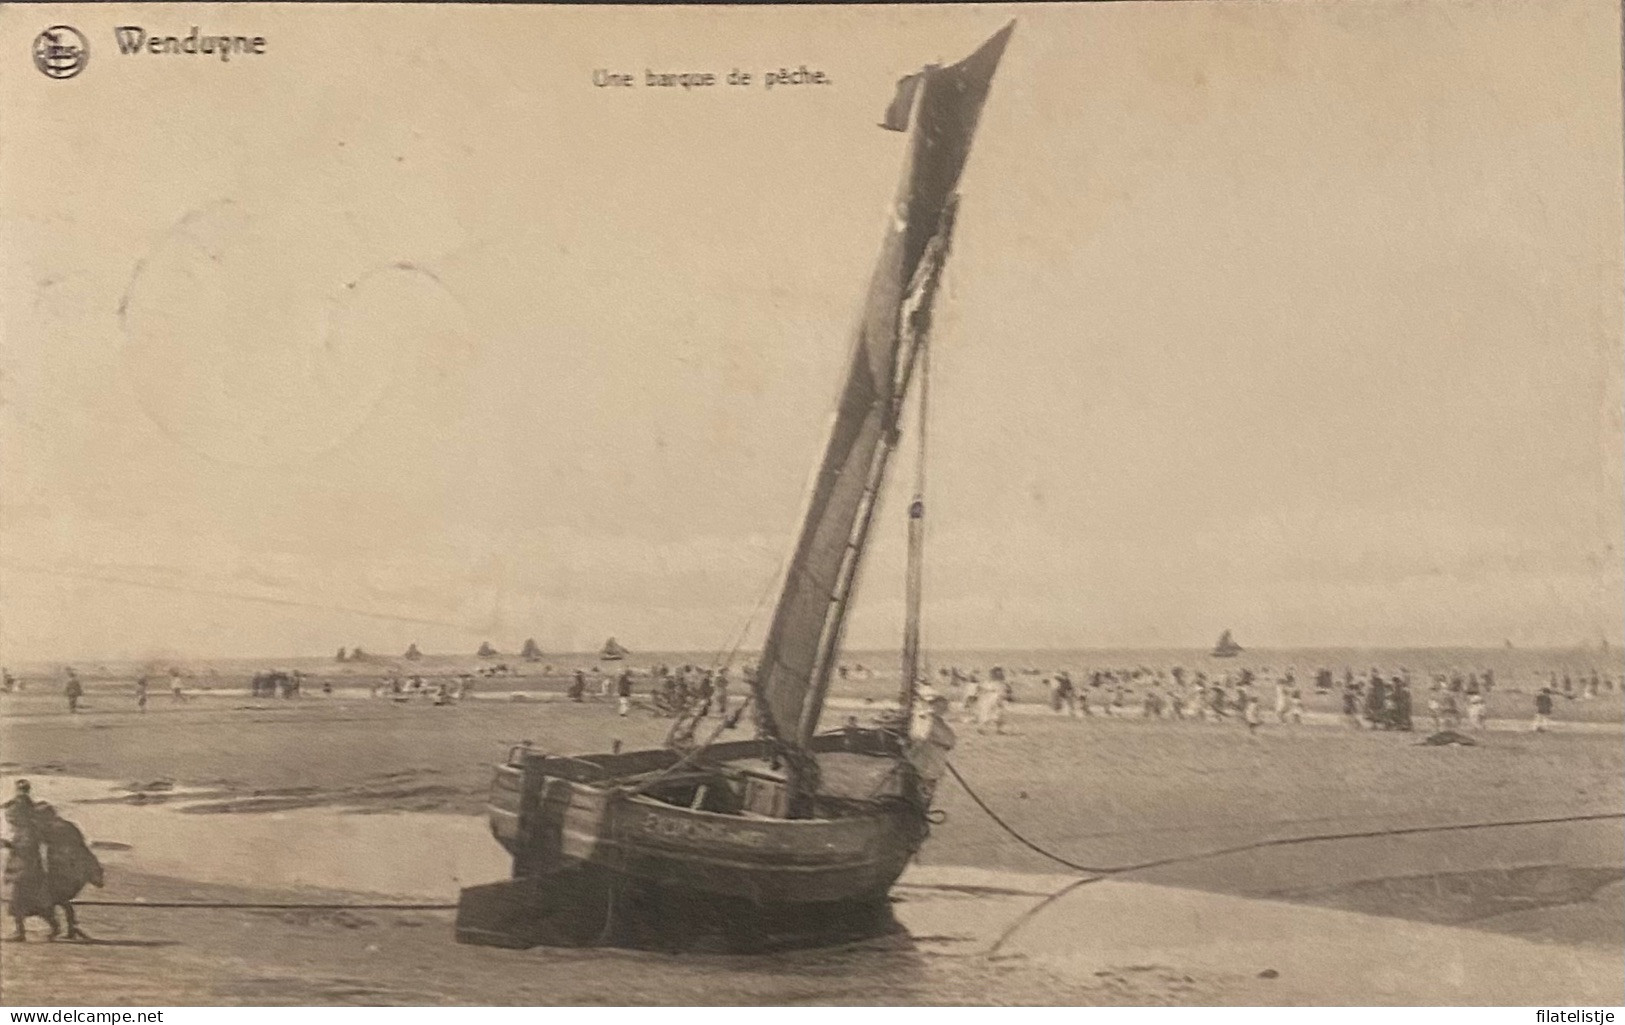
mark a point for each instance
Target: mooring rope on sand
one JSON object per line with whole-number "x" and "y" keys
{"x": 237, "y": 905}
{"x": 1096, "y": 874}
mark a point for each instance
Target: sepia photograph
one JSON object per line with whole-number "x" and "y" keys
{"x": 1063, "y": 504}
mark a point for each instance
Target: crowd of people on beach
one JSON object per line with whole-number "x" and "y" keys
{"x": 445, "y": 690}
{"x": 1375, "y": 700}
{"x": 674, "y": 691}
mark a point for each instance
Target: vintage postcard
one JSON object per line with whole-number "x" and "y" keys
{"x": 1057, "y": 504}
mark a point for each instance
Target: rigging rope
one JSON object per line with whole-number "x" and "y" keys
{"x": 258, "y": 906}
{"x": 699, "y": 749}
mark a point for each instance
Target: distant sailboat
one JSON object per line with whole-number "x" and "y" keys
{"x": 613, "y": 652}
{"x": 1227, "y": 646}
{"x": 412, "y": 653}
{"x": 531, "y": 651}
{"x": 486, "y": 651}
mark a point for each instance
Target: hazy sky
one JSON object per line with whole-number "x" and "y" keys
{"x": 1301, "y": 319}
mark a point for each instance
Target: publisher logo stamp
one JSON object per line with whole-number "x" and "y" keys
{"x": 61, "y": 51}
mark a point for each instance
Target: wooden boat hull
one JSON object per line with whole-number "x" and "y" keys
{"x": 552, "y": 814}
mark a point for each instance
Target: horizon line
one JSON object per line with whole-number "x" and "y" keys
{"x": 1613, "y": 647}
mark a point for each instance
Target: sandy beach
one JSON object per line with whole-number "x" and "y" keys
{"x": 183, "y": 798}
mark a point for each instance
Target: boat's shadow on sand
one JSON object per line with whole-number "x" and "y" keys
{"x": 575, "y": 909}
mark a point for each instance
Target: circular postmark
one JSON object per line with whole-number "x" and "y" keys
{"x": 250, "y": 343}
{"x": 61, "y": 51}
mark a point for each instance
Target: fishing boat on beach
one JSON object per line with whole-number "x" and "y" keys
{"x": 1226, "y": 647}
{"x": 797, "y": 826}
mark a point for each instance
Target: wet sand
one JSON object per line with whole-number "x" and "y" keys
{"x": 186, "y": 957}
{"x": 1102, "y": 793}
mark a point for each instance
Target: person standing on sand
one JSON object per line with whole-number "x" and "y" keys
{"x": 141, "y": 692}
{"x": 1543, "y": 709}
{"x": 1477, "y": 712}
{"x": 623, "y": 693}
{"x": 70, "y": 866}
{"x": 1071, "y": 695}
{"x": 1376, "y": 700}
{"x": 1253, "y": 712}
{"x": 930, "y": 740}
{"x": 990, "y": 708}
{"x": 23, "y": 882}
{"x": 706, "y": 694}
{"x": 970, "y": 700}
{"x": 74, "y": 690}
{"x": 1449, "y": 712}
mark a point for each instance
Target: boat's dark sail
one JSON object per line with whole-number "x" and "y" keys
{"x": 613, "y": 652}
{"x": 1227, "y": 646}
{"x": 940, "y": 108}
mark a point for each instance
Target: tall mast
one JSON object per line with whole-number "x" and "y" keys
{"x": 916, "y": 548}
{"x": 916, "y": 329}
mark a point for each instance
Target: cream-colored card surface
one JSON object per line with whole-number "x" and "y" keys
{"x": 1056, "y": 504}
